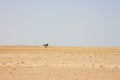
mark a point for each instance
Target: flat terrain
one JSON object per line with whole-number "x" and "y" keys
{"x": 59, "y": 63}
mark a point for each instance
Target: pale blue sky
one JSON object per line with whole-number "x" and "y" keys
{"x": 60, "y": 22}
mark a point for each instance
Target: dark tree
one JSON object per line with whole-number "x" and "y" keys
{"x": 46, "y": 45}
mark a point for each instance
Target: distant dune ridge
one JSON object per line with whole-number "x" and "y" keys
{"x": 59, "y": 63}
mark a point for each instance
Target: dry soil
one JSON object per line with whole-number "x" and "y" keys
{"x": 59, "y": 63}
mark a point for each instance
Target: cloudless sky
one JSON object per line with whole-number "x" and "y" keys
{"x": 60, "y": 22}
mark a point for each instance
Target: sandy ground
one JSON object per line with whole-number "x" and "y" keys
{"x": 59, "y": 63}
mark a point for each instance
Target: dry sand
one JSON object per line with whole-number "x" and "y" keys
{"x": 59, "y": 63}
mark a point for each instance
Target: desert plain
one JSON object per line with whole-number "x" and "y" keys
{"x": 59, "y": 63}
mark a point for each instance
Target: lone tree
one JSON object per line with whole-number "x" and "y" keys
{"x": 46, "y": 45}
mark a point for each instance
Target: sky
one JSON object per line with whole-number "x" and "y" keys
{"x": 60, "y": 22}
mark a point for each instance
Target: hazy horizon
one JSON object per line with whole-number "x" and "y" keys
{"x": 60, "y": 22}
